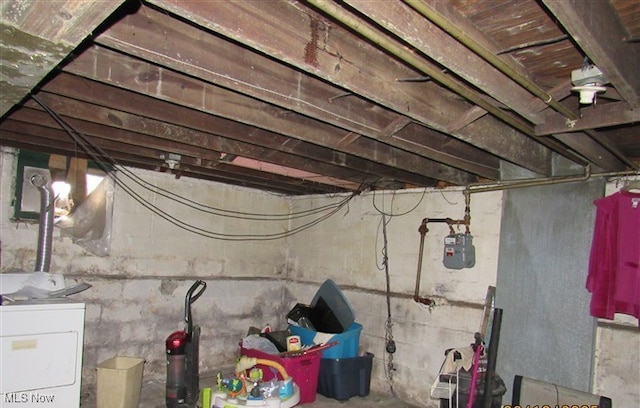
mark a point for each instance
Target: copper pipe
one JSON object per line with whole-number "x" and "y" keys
{"x": 486, "y": 187}
{"x": 368, "y": 31}
{"x": 509, "y": 70}
{"x": 416, "y": 295}
{"x": 422, "y": 229}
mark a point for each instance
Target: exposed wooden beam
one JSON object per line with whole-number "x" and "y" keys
{"x": 448, "y": 13}
{"x": 116, "y": 139}
{"x": 596, "y": 28}
{"x": 50, "y": 139}
{"x": 227, "y": 136}
{"x": 594, "y": 117}
{"x": 404, "y": 22}
{"x": 126, "y": 139}
{"x": 591, "y": 150}
{"x": 341, "y": 58}
{"x": 53, "y": 135}
{"x": 52, "y": 29}
{"x": 467, "y": 34}
{"x": 468, "y": 117}
{"x": 558, "y": 92}
{"x": 99, "y": 122}
{"x": 394, "y": 127}
{"x": 121, "y": 71}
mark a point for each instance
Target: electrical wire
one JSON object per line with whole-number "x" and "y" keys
{"x": 98, "y": 155}
{"x": 424, "y": 192}
{"x": 389, "y": 342}
{"x": 390, "y": 346}
{"x": 83, "y": 141}
{"x": 388, "y": 335}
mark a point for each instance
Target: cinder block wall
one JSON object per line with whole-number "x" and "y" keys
{"x": 138, "y": 291}
{"x": 349, "y": 249}
{"x": 137, "y": 297}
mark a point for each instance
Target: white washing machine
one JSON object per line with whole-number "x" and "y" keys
{"x": 41, "y": 353}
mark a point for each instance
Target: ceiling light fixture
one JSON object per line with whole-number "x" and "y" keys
{"x": 172, "y": 160}
{"x": 588, "y": 81}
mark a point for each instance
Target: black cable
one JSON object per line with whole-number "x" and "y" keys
{"x": 424, "y": 192}
{"x": 91, "y": 150}
{"x": 84, "y": 141}
{"x": 390, "y": 345}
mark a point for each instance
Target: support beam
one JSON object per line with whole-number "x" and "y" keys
{"x": 338, "y": 56}
{"x": 53, "y": 28}
{"x": 412, "y": 27}
{"x": 122, "y": 71}
{"x": 55, "y": 140}
{"x": 594, "y": 117}
{"x": 595, "y": 27}
{"x": 207, "y": 147}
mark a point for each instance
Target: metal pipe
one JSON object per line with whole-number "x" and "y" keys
{"x": 530, "y": 183}
{"x": 411, "y": 58}
{"x": 416, "y": 294}
{"x": 467, "y": 211}
{"x": 483, "y": 187}
{"x": 45, "y": 229}
{"x": 422, "y": 229}
{"x": 488, "y": 55}
{"x": 507, "y": 69}
{"x": 405, "y": 54}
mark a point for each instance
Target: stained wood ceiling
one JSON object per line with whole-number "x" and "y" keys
{"x": 305, "y": 97}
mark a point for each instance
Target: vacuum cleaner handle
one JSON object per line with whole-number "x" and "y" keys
{"x": 189, "y": 299}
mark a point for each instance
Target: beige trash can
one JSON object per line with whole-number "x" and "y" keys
{"x": 119, "y": 382}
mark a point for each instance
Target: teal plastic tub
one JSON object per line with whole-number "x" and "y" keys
{"x": 348, "y": 341}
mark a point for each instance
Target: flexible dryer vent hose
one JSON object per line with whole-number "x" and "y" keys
{"x": 45, "y": 231}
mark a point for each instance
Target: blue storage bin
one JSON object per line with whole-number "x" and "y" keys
{"x": 348, "y": 342}
{"x": 343, "y": 378}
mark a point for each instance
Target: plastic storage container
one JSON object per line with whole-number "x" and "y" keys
{"x": 303, "y": 369}
{"x": 119, "y": 382}
{"x": 348, "y": 342}
{"x": 344, "y": 378}
{"x": 332, "y": 312}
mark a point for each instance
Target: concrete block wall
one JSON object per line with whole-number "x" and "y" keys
{"x": 138, "y": 291}
{"x": 349, "y": 249}
{"x": 137, "y": 294}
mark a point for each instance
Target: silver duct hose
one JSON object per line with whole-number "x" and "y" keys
{"x": 45, "y": 232}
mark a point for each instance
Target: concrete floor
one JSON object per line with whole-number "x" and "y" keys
{"x": 152, "y": 395}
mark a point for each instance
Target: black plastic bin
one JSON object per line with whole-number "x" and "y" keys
{"x": 464, "y": 388}
{"x": 343, "y": 378}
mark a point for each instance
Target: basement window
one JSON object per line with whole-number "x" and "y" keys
{"x": 83, "y": 197}
{"x": 71, "y": 179}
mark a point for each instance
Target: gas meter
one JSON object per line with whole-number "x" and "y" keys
{"x": 459, "y": 251}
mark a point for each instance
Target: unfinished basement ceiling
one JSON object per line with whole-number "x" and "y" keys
{"x": 305, "y": 97}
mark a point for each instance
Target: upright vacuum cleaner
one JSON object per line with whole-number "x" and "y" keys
{"x": 183, "y": 356}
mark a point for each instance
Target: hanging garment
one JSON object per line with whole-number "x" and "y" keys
{"x": 614, "y": 263}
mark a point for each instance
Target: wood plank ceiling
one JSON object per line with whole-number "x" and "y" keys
{"x": 318, "y": 96}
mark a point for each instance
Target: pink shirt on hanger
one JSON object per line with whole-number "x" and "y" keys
{"x": 614, "y": 263}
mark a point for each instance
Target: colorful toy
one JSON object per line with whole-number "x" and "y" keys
{"x": 249, "y": 391}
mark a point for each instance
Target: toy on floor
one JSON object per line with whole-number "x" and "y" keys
{"x": 244, "y": 390}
